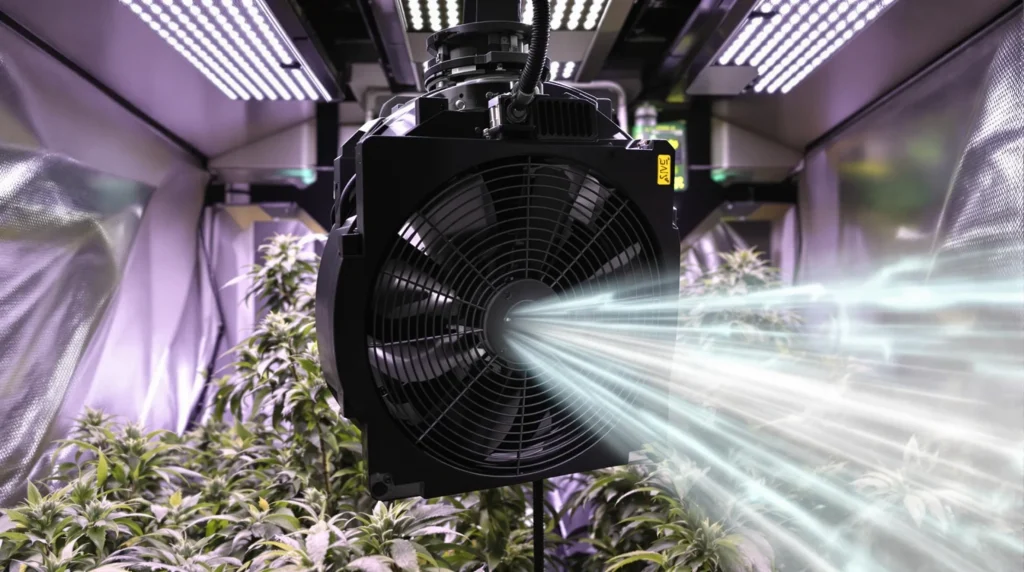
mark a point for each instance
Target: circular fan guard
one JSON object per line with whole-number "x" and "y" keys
{"x": 536, "y": 223}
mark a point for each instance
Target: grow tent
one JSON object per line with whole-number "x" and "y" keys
{"x": 130, "y": 198}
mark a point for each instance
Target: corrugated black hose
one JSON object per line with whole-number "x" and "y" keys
{"x": 538, "y": 53}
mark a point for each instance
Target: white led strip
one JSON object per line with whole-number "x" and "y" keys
{"x": 561, "y": 70}
{"x": 434, "y": 12}
{"x": 791, "y": 38}
{"x": 453, "y": 12}
{"x": 236, "y": 44}
{"x": 415, "y": 14}
{"x": 568, "y": 70}
{"x": 439, "y": 19}
{"x": 558, "y": 8}
{"x": 593, "y": 14}
{"x": 569, "y": 13}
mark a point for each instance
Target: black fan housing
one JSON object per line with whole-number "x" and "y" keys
{"x": 452, "y": 232}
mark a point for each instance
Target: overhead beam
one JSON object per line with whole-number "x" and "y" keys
{"x": 385, "y": 22}
{"x": 299, "y": 30}
{"x": 710, "y": 26}
{"x": 106, "y": 90}
{"x": 603, "y": 39}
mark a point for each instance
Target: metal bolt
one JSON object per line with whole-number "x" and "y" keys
{"x": 460, "y": 104}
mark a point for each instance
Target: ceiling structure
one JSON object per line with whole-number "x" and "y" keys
{"x": 624, "y": 44}
{"x": 905, "y": 39}
{"x": 654, "y": 49}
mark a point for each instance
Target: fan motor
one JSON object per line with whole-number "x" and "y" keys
{"x": 514, "y": 295}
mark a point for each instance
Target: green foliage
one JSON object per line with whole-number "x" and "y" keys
{"x": 739, "y": 273}
{"x": 645, "y": 518}
{"x": 273, "y": 479}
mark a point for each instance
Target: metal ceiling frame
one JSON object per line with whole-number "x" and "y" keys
{"x": 385, "y": 21}
{"x": 45, "y": 47}
{"x": 709, "y": 28}
{"x": 604, "y": 37}
{"x": 1012, "y": 11}
{"x": 290, "y": 16}
{"x": 590, "y": 48}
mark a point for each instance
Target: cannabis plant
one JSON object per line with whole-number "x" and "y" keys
{"x": 495, "y": 530}
{"x": 273, "y": 478}
{"x": 716, "y": 310}
{"x": 607, "y": 499}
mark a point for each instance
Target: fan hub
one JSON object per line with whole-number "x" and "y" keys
{"x": 498, "y": 320}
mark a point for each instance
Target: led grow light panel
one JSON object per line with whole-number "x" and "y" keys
{"x": 237, "y": 44}
{"x": 436, "y": 15}
{"x": 570, "y": 14}
{"x": 786, "y": 40}
{"x": 431, "y": 15}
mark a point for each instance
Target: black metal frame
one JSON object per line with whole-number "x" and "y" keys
{"x": 695, "y": 46}
{"x": 383, "y": 34}
{"x": 491, "y": 10}
{"x": 289, "y": 15}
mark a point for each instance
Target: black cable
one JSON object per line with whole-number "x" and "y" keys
{"x": 195, "y": 416}
{"x": 538, "y": 53}
{"x": 346, "y": 201}
{"x": 538, "y": 525}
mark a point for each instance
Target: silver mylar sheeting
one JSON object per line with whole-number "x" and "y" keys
{"x": 874, "y": 194}
{"x": 980, "y": 242}
{"x": 935, "y": 175}
{"x": 103, "y": 297}
{"x": 65, "y": 235}
{"x": 981, "y": 232}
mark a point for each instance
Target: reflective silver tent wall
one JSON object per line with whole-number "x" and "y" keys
{"x": 112, "y": 268}
{"x": 103, "y": 294}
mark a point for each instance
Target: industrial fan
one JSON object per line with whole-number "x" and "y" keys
{"x": 453, "y": 210}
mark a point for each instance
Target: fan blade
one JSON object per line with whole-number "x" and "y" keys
{"x": 407, "y": 291}
{"x": 619, "y": 264}
{"x": 532, "y": 445}
{"x": 483, "y": 432}
{"x": 418, "y": 235}
{"x": 560, "y": 197}
{"x": 590, "y": 197}
{"x": 419, "y": 361}
{"x": 469, "y": 209}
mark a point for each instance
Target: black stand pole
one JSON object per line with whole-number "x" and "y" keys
{"x": 538, "y": 526}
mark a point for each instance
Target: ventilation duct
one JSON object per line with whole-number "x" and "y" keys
{"x": 741, "y": 156}
{"x": 287, "y": 157}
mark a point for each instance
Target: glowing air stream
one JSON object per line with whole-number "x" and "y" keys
{"x": 872, "y": 426}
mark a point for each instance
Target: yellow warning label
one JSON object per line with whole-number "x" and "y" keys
{"x": 664, "y": 169}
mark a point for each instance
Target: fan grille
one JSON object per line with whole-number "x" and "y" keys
{"x": 464, "y": 403}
